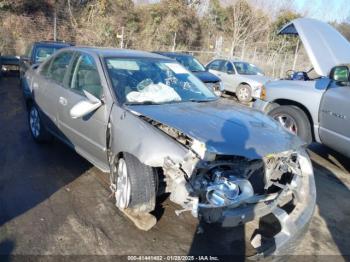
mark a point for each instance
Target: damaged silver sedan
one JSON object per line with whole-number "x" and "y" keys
{"x": 156, "y": 128}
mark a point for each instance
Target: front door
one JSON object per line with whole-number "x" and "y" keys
{"x": 87, "y": 134}
{"x": 227, "y": 76}
{"x": 216, "y": 67}
{"x": 335, "y": 117}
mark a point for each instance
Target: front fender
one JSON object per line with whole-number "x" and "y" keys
{"x": 133, "y": 135}
{"x": 306, "y": 93}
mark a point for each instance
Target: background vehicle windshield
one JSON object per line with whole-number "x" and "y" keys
{"x": 43, "y": 52}
{"x": 190, "y": 63}
{"x": 247, "y": 69}
{"x": 142, "y": 81}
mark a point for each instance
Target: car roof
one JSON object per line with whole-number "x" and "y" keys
{"x": 52, "y": 43}
{"x": 116, "y": 52}
{"x": 172, "y": 54}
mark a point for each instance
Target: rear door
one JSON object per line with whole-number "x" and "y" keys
{"x": 87, "y": 134}
{"x": 335, "y": 117}
{"x": 47, "y": 87}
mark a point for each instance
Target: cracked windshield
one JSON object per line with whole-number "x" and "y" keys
{"x": 148, "y": 81}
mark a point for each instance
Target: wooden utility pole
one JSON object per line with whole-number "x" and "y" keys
{"x": 55, "y": 26}
{"x": 121, "y": 37}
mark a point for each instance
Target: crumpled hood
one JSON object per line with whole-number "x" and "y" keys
{"x": 325, "y": 46}
{"x": 207, "y": 77}
{"x": 225, "y": 127}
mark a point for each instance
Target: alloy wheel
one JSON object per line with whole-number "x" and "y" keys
{"x": 34, "y": 122}
{"x": 123, "y": 192}
{"x": 243, "y": 94}
{"x": 287, "y": 122}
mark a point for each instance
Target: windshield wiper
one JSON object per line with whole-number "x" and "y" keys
{"x": 142, "y": 103}
{"x": 151, "y": 103}
{"x": 202, "y": 100}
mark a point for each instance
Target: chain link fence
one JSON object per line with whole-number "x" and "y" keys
{"x": 18, "y": 31}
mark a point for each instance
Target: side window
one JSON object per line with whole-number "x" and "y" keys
{"x": 42, "y": 53}
{"x": 45, "y": 68}
{"x": 56, "y": 68}
{"x": 28, "y": 52}
{"x": 85, "y": 76}
{"x": 229, "y": 67}
{"x": 215, "y": 65}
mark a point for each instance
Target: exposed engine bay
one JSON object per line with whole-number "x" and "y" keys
{"x": 208, "y": 184}
{"x": 309, "y": 75}
{"x": 231, "y": 183}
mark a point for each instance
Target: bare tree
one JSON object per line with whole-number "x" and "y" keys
{"x": 245, "y": 24}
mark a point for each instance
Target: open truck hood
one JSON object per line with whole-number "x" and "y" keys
{"x": 325, "y": 46}
{"x": 225, "y": 128}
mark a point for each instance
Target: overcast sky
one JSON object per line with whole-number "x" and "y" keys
{"x": 329, "y": 10}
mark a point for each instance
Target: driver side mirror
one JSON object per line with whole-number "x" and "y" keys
{"x": 230, "y": 72}
{"x": 340, "y": 74}
{"x": 35, "y": 66}
{"x": 85, "y": 107}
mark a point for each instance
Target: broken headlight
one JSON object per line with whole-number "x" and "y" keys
{"x": 227, "y": 191}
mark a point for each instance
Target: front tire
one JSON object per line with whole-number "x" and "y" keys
{"x": 294, "y": 120}
{"x": 134, "y": 184}
{"x": 244, "y": 93}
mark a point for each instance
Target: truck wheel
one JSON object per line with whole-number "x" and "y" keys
{"x": 134, "y": 184}
{"x": 244, "y": 93}
{"x": 36, "y": 126}
{"x": 294, "y": 120}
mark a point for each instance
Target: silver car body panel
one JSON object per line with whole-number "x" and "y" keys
{"x": 325, "y": 46}
{"x": 306, "y": 93}
{"x": 334, "y": 116}
{"x": 135, "y": 136}
{"x": 225, "y": 128}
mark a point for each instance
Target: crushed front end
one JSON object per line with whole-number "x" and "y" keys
{"x": 277, "y": 191}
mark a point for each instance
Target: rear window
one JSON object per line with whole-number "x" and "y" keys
{"x": 44, "y": 52}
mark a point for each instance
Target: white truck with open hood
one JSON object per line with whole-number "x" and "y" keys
{"x": 315, "y": 109}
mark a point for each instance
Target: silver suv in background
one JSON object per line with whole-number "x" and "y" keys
{"x": 244, "y": 79}
{"x": 155, "y": 127}
{"x": 315, "y": 108}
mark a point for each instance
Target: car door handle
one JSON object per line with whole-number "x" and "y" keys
{"x": 62, "y": 101}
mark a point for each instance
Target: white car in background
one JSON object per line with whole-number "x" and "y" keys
{"x": 244, "y": 79}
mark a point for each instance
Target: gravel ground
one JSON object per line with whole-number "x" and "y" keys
{"x": 53, "y": 202}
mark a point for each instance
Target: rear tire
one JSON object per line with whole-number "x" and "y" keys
{"x": 244, "y": 93}
{"x": 294, "y": 120}
{"x": 134, "y": 184}
{"x": 36, "y": 125}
